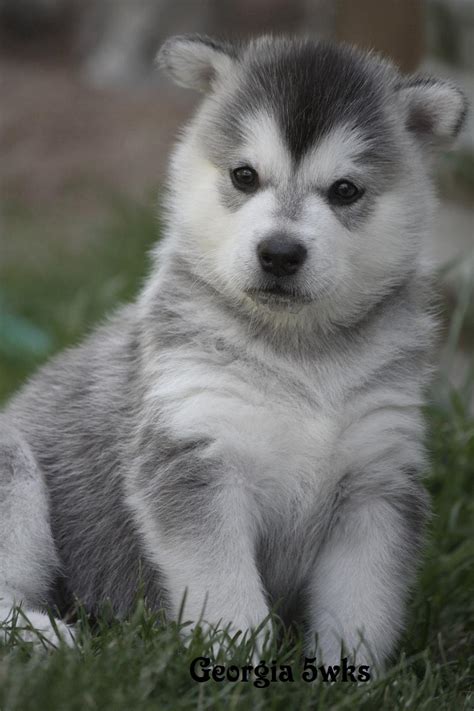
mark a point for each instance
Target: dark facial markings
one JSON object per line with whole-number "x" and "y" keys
{"x": 310, "y": 89}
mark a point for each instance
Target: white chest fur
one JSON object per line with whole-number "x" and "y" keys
{"x": 273, "y": 430}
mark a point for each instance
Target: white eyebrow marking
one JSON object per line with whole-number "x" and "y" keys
{"x": 265, "y": 148}
{"x": 334, "y": 156}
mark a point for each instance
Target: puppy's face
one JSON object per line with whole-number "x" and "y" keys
{"x": 302, "y": 181}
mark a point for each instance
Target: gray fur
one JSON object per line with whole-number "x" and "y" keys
{"x": 250, "y": 446}
{"x": 95, "y": 537}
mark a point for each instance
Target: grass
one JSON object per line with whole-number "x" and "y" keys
{"x": 52, "y": 291}
{"x": 48, "y": 301}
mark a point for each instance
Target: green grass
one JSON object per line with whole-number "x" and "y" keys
{"x": 53, "y": 290}
{"x": 47, "y": 302}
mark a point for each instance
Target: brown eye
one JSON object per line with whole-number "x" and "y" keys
{"x": 245, "y": 179}
{"x": 343, "y": 192}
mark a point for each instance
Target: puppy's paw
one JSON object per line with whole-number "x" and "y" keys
{"x": 35, "y": 627}
{"x": 223, "y": 640}
{"x": 256, "y": 636}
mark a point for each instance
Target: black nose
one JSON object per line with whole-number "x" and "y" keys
{"x": 280, "y": 255}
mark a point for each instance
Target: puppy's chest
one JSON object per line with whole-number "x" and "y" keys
{"x": 275, "y": 430}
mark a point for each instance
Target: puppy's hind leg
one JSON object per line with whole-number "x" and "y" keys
{"x": 28, "y": 559}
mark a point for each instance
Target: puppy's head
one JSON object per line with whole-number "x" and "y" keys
{"x": 304, "y": 176}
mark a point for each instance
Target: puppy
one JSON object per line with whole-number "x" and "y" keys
{"x": 247, "y": 435}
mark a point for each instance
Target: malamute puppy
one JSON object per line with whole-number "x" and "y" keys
{"x": 249, "y": 430}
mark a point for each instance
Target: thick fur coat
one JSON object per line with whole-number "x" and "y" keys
{"x": 246, "y": 434}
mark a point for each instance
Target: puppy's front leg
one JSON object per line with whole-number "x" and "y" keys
{"x": 201, "y": 530}
{"x": 365, "y": 568}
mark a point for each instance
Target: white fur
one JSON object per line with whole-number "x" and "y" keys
{"x": 343, "y": 265}
{"x": 363, "y": 615}
{"x": 293, "y": 431}
{"x": 34, "y": 627}
{"x": 27, "y": 555}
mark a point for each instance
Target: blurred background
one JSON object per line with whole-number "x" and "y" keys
{"x": 86, "y": 125}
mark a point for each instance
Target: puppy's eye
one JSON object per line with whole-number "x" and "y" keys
{"x": 343, "y": 192}
{"x": 245, "y": 178}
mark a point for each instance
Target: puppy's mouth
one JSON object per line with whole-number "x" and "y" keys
{"x": 277, "y": 298}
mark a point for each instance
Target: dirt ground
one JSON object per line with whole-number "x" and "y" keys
{"x": 61, "y": 139}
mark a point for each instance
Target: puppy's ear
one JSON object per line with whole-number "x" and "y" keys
{"x": 195, "y": 61}
{"x": 434, "y": 109}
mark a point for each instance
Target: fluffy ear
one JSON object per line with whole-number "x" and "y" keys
{"x": 434, "y": 109}
{"x": 195, "y": 61}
